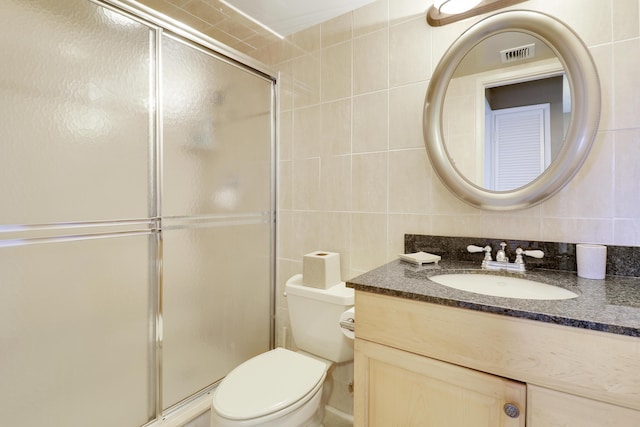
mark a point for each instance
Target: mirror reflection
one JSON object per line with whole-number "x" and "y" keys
{"x": 506, "y": 111}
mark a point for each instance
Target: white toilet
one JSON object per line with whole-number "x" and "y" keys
{"x": 283, "y": 388}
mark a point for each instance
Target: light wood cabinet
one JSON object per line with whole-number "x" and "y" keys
{"x": 413, "y": 356}
{"x": 550, "y": 408}
{"x": 407, "y": 390}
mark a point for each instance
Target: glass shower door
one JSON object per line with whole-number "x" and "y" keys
{"x": 216, "y": 204}
{"x": 75, "y": 229}
{"x": 136, "y": 217}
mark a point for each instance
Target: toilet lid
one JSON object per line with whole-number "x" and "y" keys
{"x": 267, "y": 383}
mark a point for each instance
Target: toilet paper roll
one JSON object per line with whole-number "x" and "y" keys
{"x": 591, "y": 260}
{"x": 348, "y": 322}
{"x": 321, "y": 269}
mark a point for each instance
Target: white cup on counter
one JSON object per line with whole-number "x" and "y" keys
{"x": 592, "y": 260}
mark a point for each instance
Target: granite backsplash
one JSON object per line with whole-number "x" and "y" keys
{"x": 621, "y": 260}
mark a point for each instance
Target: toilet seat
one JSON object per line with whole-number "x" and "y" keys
{"x": 268, "y": 383}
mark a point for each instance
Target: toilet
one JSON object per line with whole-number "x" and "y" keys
{"x": 283, "y": 388}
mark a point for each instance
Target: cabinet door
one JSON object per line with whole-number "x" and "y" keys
{"x": 549, "y": 408}
{"x": 398, "y": 388}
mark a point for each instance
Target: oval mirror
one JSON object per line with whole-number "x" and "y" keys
{"x": 511, "y": 110}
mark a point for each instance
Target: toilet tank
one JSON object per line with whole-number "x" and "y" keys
{"x": 315, "y": 319}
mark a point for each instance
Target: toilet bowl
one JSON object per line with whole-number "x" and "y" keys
{"x": 278, "y": 388}
{"x": 283, "y": 388}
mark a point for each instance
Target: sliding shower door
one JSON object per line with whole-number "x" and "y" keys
{"x": 136, "y": 215}
{"x": 216, "y": 208}
{"x": 75, "y": 230}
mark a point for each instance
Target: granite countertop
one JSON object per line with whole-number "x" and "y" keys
{"x": 611, "y": 305}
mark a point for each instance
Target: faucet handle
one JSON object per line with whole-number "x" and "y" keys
{"x": 487, "y": 251}
{"x": 535, "y": 253}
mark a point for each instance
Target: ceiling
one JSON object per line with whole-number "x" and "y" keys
{"x": 286, "y": 17}
{"x": 223, "y": 22}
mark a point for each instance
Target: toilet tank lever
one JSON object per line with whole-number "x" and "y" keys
{"x": 348, "y": 324}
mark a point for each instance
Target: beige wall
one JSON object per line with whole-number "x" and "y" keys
{"x": 354, "y": 175}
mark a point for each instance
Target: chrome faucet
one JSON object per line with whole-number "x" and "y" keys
{"x": 501, "y": 255}
{"x": 502, "y": 261}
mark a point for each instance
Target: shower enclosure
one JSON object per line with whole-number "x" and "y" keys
{"x": 137, "y": 217}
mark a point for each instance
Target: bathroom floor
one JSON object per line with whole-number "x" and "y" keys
{"x": 331, "y": 419}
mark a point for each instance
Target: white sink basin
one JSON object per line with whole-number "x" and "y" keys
{"x": 503, "y": 286}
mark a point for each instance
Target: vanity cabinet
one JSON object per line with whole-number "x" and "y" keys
{"x": 550, "y": 408}
{"x": 405, "y": 389}
{"x": 424, "y": 364}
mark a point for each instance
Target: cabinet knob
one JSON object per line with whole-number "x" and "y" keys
{"x": 511, "y": 410}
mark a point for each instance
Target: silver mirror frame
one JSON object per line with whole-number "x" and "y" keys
{"x": 585, "y": 93}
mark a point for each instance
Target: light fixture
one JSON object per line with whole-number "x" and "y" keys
{"x": 451, "y": 7}
{"x": 447, "y": 11}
